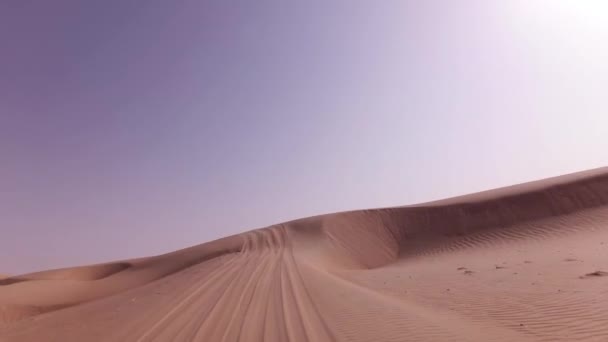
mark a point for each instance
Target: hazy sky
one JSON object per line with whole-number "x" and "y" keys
{"x": 131, "y": 128}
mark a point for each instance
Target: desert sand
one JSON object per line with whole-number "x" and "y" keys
{"x": 523, "y": 263}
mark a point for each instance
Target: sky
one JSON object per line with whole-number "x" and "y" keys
{"x": 133, "y": 128}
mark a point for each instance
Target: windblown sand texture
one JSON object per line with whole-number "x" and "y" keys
{"x": 524, "y": 263}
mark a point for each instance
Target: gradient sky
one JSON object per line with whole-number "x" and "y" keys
{"x": 131, "y": 128}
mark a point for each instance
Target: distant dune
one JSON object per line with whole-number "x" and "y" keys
{"x": 523, "y": 263}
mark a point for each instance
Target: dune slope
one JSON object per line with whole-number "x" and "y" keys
{"x": 524, "y": 263}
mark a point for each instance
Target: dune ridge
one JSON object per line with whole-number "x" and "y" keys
{"x": 525, "y": 263}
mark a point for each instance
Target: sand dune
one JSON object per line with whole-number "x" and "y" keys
{"x": 523, "y": 263}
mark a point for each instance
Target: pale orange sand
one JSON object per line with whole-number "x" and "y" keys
{"x": 524, "y": 263}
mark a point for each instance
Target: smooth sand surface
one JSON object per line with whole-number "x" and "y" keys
{"x": 524, "y": 263}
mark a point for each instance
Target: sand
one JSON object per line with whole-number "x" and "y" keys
{"x": 524, "y": 263}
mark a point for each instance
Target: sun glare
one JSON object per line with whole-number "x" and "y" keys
{"x": 590, "y": 14}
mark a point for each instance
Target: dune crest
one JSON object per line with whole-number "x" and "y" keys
{"x": 523, "y": 263}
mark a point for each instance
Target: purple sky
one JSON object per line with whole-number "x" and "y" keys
{"x": 132, "y": 128}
